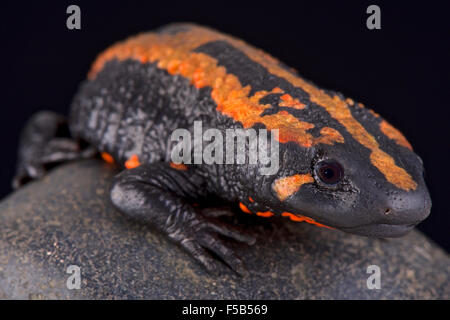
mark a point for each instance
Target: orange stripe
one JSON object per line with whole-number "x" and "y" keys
{"x": 266, "y": 214}
{"x": 339, "y": 110}
{"x": 394, "y": 134}
{"x": 298, "y": 218}
{"x": 173, "y": 53}
{"x": 244, "y": 208}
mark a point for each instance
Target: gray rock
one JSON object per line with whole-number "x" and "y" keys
{"x": 67, "y": 219}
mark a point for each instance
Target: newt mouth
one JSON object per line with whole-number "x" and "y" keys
{"x": 380, "y": 230}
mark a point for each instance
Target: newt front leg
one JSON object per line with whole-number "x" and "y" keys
{"x": 157, "y": 194}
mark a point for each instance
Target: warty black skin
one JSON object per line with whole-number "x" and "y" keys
{"x": 132, "y": 108}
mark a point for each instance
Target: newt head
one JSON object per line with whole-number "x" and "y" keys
{"x": 370, "y": 184}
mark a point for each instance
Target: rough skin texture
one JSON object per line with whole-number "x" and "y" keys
{"x": 140, "y": 90}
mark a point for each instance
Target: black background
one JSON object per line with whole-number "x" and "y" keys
{"x": 400, "y": 71}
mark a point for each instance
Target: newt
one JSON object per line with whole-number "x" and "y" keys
{"x": 341, "y": 165}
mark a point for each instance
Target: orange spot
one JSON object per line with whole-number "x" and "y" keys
{"x": 329, "y": 136}
{"x": 394, "y": 134}
{"x": 299, "y": 218}
{"x": 350, "y": 101}
{"x": 178, "y": 166}
{"x": 266, "y": 214}
{"x": 107, "y": 157}
{"x": 288, "y": 101}
{"x": 287, "y": 186}
{"x": 244, "y": 208}
{"x": 376, "y": 115}
{"x": 251, "y": 199}
{"x": 277, "y": 90}
{"x": 133, "y": 162}
{"x": 234, "y": 101}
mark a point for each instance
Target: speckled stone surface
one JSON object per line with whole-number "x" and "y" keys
{"x": 67, "y": 219}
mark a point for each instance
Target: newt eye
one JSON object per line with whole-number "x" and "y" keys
{"x": 329, "y": 172}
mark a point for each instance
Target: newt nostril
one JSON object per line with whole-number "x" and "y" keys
{"x": 405, "y": 209}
